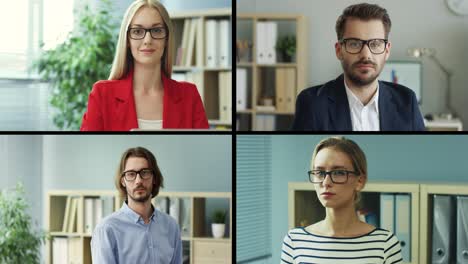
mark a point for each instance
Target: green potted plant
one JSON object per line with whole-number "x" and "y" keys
{"x": 75, "y": 65}
{"x": 217, "y": 225}
{"x": 287, "y": 47}
{"x": 19, "y": 243}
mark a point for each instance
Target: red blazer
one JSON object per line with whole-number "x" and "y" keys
{"x": 111, "y": 106}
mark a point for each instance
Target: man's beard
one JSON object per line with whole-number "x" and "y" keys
{"x": 354, "y": 78}
{"x": 140, "y": 199}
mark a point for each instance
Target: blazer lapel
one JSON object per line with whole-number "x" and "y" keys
{"x": 338, "y": 106}
{"x": 172, "y": 110}
{"x": 124, "y": 104}
{"x": 387, "y": 109}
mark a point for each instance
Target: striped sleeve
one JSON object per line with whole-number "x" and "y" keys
{"x": 287, "y": 251}
{"x": 392, "y": 252}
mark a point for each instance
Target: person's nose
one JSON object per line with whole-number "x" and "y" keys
{"x": 138, "y": 178}
{"x": 147, "y": 39}
{"x": 327, "y": 180}
{"x": 365, "y": 52}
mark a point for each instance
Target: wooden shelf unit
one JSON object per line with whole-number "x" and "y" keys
{"x": 202, "y": 246}
{"x": 254, "y": 85}
{"x": 425, "y": 234}
{"x": 208, "y": 75}
{"x": 304, "y": 204}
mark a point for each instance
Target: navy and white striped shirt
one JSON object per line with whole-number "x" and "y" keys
{"x": 376, "y": 247}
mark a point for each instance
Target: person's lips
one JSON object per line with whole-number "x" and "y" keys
{"x": 327, "y": 194}
{"x": 147, "y": 51}
{"x": 364, "y": 65}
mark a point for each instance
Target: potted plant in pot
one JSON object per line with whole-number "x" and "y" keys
{"x": 217, "y": 225}
{"x": 75, "y": 65}
{"x": 19, "y": 243}
{"x": 287, "y": 47}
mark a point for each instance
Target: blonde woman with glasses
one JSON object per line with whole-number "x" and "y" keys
{"x": 339, "y": 173}
{"x": 140, "y": 92}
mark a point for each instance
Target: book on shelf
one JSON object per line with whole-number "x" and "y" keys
{"x": 66, "y": 215}
{"x": 72, "y": 215}
{"x": 190, "y": 44}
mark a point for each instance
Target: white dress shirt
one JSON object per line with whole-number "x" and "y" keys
{"x": 364, "y": 117}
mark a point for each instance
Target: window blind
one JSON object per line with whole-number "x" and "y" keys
{"x": 253, "y": 198}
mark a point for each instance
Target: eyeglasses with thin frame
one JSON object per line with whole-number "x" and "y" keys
{"x": 336, "y": 176}
{"x": 131, "y": 175}
{"x": 354, "y": 45}
{"x": 140, "y": 33}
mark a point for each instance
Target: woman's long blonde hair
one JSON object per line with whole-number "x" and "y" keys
{"x": 123, "y": 58}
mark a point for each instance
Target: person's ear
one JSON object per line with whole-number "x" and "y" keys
{"x": 338, "y": 51}
{"x": 361, "y": 181}
{"x": 122, "y": 181}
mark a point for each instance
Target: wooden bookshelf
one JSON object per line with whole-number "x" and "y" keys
{"x": 207, "y": 79}
{"x": 256, "y": 72}
{"x": 303, "y": 205}
{"x": 195, "y": 224}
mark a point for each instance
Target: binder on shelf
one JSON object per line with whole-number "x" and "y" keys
{"x": 387, "y": 211}
{"x": 272, "y": 35}
{"x": 261, "y": 42}
{"x": 442, "y": 231}
{"x": 224, "y": 43}
{"x": 211, "y": 45}
{"x": 225, "y": 96}
{"x": 60, "y": 250}
{"x": 89, "y": 215}
{"x": 182, "y": 51}
{"x": 285, "y": 89}
{"x": 462, "y": 229}
{"x": 403, "y": 224}
{"x": 290, "y": 90}
{"x": 241, "y": 89}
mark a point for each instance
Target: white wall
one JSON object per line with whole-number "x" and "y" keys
{"x": 417, "y": 23}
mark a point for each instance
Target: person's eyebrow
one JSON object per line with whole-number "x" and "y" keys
{"x": 333, "y": 168}
{"x": 138, "y": 25}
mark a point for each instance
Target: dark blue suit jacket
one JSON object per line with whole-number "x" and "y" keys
{"x": 326, "y": 108}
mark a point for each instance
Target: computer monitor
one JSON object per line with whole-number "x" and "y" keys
{"x": 407, "y": 73}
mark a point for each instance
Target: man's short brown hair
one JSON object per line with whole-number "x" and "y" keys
{"x": 363, "y": 12}
{"x": 139, "y": 152}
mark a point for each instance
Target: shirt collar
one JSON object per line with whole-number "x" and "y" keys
{"x": 354, "y": 101}
{"x": 134, "y": 216}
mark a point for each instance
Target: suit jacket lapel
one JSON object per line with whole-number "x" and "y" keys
{"x": 387, "y": 109}
{"x": 338, "y": 106}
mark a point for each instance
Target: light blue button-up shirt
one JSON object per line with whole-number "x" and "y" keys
{"x": 123, "y": 237}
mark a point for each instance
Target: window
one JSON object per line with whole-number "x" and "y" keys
{"x": 253, "y": 198}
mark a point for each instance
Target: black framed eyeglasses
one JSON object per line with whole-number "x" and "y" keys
{"x": 131, "y": 175}
{"x": 354, "y": 45}
{"x": 140, "y": 33}
{"x": 336, "y": 176}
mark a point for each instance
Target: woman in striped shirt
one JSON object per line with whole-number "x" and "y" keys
{"x": 339, "y": 173}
